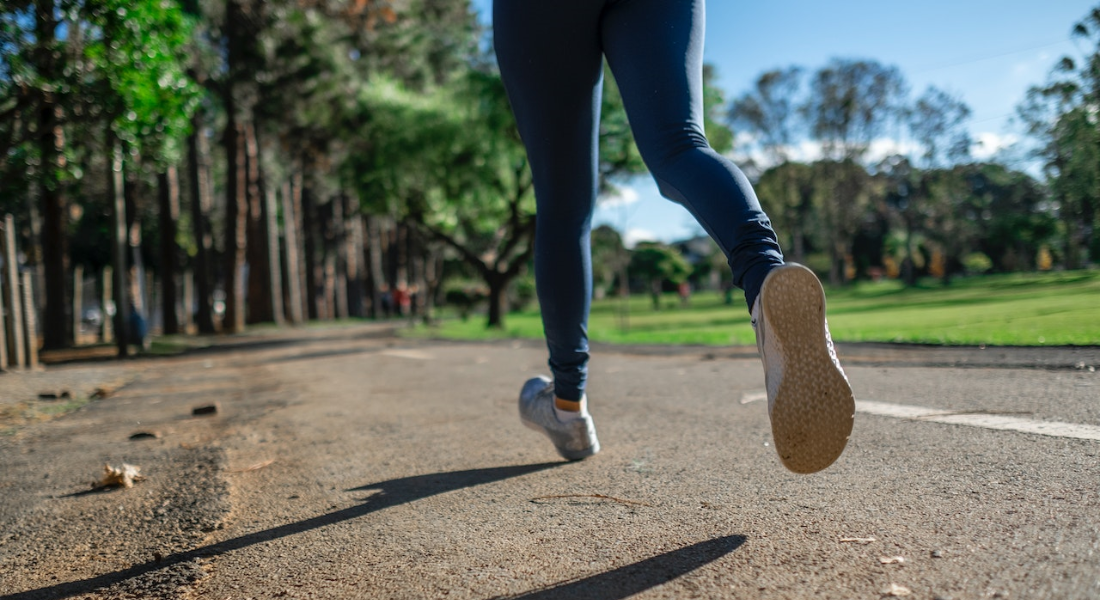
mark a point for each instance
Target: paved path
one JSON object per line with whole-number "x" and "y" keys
{"x": 350, "y": 464}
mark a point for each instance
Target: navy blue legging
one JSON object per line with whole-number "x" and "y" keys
{"x": 551, "y": 54}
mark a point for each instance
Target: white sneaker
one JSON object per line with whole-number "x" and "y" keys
{"x": 809, "y": 399}
{"x": 575, "y": 439}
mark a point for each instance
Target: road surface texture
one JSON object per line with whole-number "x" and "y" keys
{"x": 348, "y": 463}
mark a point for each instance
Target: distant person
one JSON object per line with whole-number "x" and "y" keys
{"x": 684, "y": 290}
{"x": 551, "y": 55}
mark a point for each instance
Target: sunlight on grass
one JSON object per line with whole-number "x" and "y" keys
{"x": 1020, "y": 309}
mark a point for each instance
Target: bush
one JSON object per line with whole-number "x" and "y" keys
{"x": 977, "y": 263}
{"x": 464, "y": 297}
{"x": 523, "y": 293}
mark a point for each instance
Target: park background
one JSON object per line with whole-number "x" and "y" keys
{"x": 199, "y": 167}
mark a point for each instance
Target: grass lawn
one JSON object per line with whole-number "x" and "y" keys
{"x": 1019, "y": 309}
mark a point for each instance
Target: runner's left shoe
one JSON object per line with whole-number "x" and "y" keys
{"x": 810, "y": 402}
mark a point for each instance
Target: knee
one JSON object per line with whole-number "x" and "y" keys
{"x": 663, "y": 152}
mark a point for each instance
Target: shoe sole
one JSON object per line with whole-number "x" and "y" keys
{"x": 814, "y": 408}
{"x": 566, "y": 454}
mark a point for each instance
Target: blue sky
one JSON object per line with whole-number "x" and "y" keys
{"x": 988, "y": 52}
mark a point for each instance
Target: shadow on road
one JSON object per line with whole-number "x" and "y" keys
{"x": 637, "y": 577}
{"x": 391, "y": 493}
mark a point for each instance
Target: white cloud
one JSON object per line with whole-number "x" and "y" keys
{"x": 623, "y": 197}
{"x": 883, "y": 147}
{"x": 809, "y": 151}
{"x": 633, "y": 236}
{"x": 987, "y": 144}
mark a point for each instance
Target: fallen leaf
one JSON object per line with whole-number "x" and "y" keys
{"x": 255, "y": 467}
{"x": 892, "y": 560}
{"x": 857, "y": 540}
{"x": 125, "y": 476}
{"x": 896, "y": 590}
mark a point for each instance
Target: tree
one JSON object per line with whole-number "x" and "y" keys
{"x": 655, "y": 264}
{"x": 111, "y": 64}
{"x": 788, "y": 192}
{"x": 1061, "y": 115}
{"x": 770, "y": 112}
{"x": 609, "y": 258}
{"x": 936, "y": 122}
{"x": 850, "y": 105}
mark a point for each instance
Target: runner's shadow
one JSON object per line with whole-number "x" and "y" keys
{"x": 391, "y": 493}
{"x": 637, "y": 577}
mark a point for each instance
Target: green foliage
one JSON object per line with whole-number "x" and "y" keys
{"x": 936, "y": 122}
{"x": 851, "y": 103}
{"x": 655, "y": 264}
{"x": 977, "y": 263}
{"x": 769, "y": 112}
{"x": 652, "y": 261}
{"x": 609, "y": 256}
{"x": 619, "y": 155}
{"x": 136, "y": 50}
{"x": 1061, "y": 116}
{"x": 719, "y": 135}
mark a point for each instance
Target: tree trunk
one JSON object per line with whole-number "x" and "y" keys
{"x": 909, "y": 269}
{"x": 199, "y": 171}
{"x": 33, "y": 250}
{"x": 340, "y": 258}
{"x": 275, "y": 272}
{"x": 354, "y": 253}
{"x": 236, "y": 225}
{"x": 498, "y": 286}
{"x": 137, "y": 293}
{"x": 13, "y": 319}
{"x": 310, "y": 235}
{"x": 168, "y": 183}
{"x": 375, "y": 277}
{"x": 118, "y": 253}
{"x": 433, "y": 281}
{"x": 328, "y": 277}
{"x": 54, "y": 241}
{"x": 261, "y": 307}
{"x": 292, "y": 206}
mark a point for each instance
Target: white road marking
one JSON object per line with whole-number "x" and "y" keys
{"x": 410, "y": 354}
{"x": 747, "y": 397}
{"x": 987, "y": 421}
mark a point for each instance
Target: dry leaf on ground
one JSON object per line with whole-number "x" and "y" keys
{"x": 896, "y": 590}
{"x": 125, "y": 476}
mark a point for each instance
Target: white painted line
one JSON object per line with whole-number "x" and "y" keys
{"x": 986, "y": 421}
{"x": 748, "y": 397}
{"x": 409, "y": 354}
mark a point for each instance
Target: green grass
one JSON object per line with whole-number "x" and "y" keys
{"x": 14, "y": 416}
{"x": 1018, "y": 309}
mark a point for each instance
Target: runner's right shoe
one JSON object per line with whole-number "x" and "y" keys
{"x": 810, "y": 402}
{"x": 574, "y": 439}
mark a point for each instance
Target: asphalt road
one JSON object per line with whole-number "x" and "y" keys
{"x": 350, "y": 464}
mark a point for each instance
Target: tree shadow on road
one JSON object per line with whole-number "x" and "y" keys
{"x": 391, "y": 493}
{"x": 637, "y": 577}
